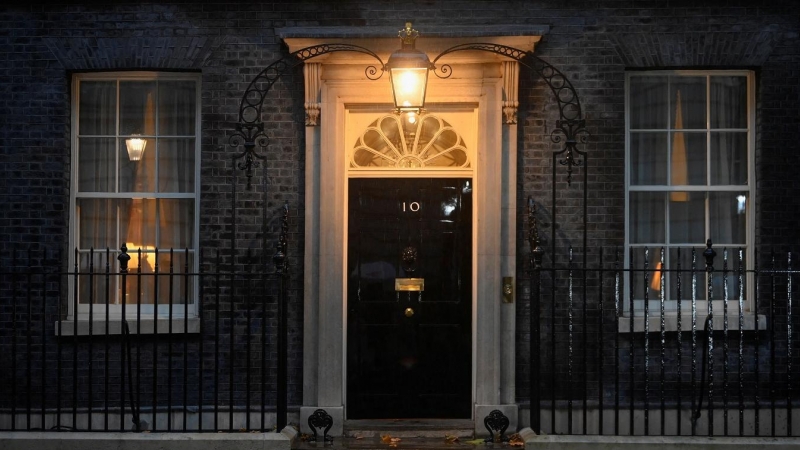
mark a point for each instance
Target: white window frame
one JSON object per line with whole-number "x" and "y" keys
{"x": 702, "y": 305}
{"x": 147, "y": 313}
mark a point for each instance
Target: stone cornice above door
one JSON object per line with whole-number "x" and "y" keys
{"x": 433, "y": 40}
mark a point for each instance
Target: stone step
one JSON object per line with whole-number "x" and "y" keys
{"x": 409, "y": 428}
{"x": 405, "y": 443}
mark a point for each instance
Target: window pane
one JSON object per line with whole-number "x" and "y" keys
{"x": 648, "y": 102}
{"x": 139, "y": 284}
{"x": 718, "y": 282}
{"x": 137, "y": 107}
{"x": 652, "y": 282}
{"x": 98, "y": 108}
{"x": 728, "y": 217}
{"x": 733, "y": 284}
{"x": 138, "y": 288}
{"x": 688, "y": 159}
{"x": 648, "y": 158}
{"x": 687, "y": 217}
{"x": 137, "y": 225}
{"x": 173, "y": 291}
{"x": 137, "y": 176}
{"x": 176, "y": 108}
{"x": 647, "y": 217}
{"x": 728, "y": 102}
{"x": 681, "y": 258}
{"x": 176, "y": 223}
{"x": 729, "y": 158}
{"x": 96, "y": 165}
{"x": 688, "y": 102}
{"x": 176, "y": 165}
{"x": 93, "y": 287}
{"x": 98, "y": 223}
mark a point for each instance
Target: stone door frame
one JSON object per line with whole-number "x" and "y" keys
{"x": 335, "y": 82}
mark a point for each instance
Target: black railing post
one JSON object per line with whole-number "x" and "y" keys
{"x": 789, "y": 350}
{"x": 534, "y": 315}
{"x": 75, "y": 280}
{"x": 709, "y": 254}
{"x": 617, "y": 311}
{"x": 282, "y": 271}
{"x": 28, "y": 340}
{"x": 155, "y": 339}
{"x": 90, "y": 396}
{"x": 126, "y": 359}
{"x": 107, "y": 339}
{"x": 170, "y": 300}
{"x": 59, "y": 321}
{"x": 123, "y": 258}
{"x": 15, "y": 270}
{"x": 43, "y": 325}
{"x": 186, "y": 297}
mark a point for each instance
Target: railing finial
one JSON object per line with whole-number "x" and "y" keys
{"x": 123, "y": 258}
{"x": 709, "y": 254}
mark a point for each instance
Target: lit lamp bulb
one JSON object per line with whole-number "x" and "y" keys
{"x": 135, "y": 145}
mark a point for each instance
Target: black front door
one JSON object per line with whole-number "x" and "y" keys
{"x": 409, "y": 352}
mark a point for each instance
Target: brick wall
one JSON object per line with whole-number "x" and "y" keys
{"x": 230, "y": 42}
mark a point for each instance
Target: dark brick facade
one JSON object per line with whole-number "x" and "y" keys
{"x": 593, "y": 43}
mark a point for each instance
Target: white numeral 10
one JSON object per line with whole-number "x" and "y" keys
{"x": 413, "y": 206}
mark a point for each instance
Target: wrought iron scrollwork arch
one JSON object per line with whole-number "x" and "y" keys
{"x": 570, "y": 128}
{"x": 249, "y": 131}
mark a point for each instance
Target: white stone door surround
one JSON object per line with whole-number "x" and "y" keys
{"x": 336, "y": 82}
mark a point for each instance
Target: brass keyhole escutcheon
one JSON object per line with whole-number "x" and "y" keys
{"x": 409, "y": 312}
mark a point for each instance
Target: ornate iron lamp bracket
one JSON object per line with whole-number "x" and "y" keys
{"x": 249, "y": 132}
{"x": 570, "y": 128}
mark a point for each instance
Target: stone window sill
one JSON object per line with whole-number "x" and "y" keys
{"x": 146, "y": 326}
{"x": 671, "y": 323}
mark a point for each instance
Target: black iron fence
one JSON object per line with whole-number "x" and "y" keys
{"x": 660, "y": 341}
{"x": 155, "y": 346}
{"x": 694, "y": 342}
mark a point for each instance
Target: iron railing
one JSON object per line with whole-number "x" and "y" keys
{"x": 219, "y": 366}
{"x": 725, "y": 367}
{"x": 620, "y": 346}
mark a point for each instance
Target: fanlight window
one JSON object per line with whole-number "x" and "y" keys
{"x": 411, "y": 142}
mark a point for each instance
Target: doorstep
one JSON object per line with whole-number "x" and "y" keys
{"x": 407, "y": 434}
{"x": 404, "y": 443}
{"x": 409, "y": 428}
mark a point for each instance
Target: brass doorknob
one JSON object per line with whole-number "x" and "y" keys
{"x": 409, "y": 312}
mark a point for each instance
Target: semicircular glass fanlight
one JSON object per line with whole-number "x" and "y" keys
{"x": 396, "y": 142}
